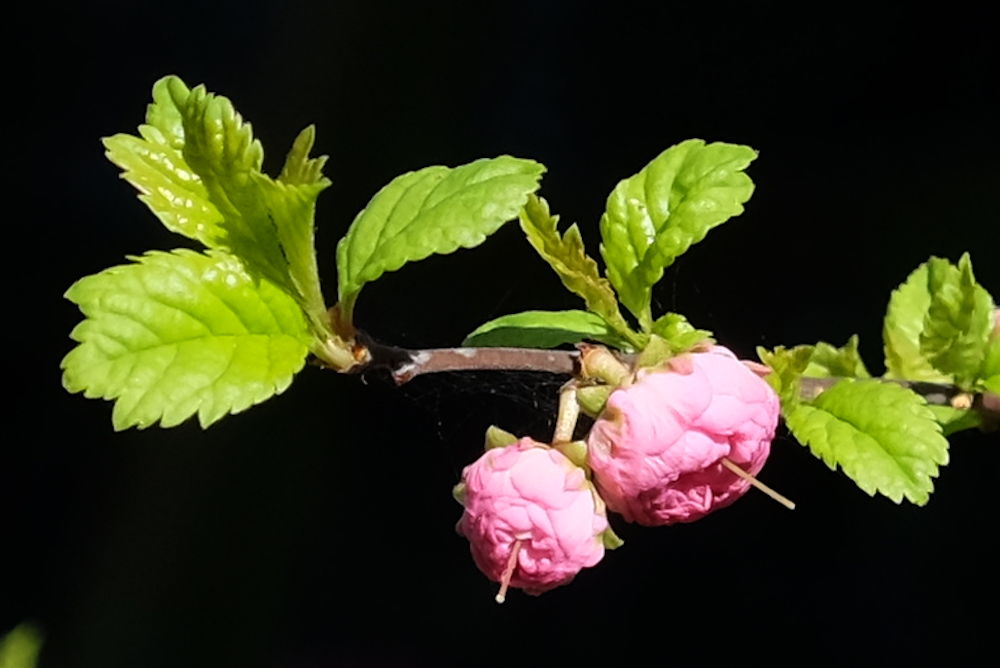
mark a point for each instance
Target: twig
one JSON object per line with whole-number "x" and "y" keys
{"x": 404, "y": 365}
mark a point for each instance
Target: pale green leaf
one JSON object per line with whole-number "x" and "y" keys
{"x": 679, "y": 333}
{"x": 435, "y": 210}
{"x": 543, "y": 329}
{"x": 954, "y": 419}
{"x": 180, "y": 333}
{"x": 937, "y": 324}
{"x": 154, "y": 163}
{"x": 293, "y": 209}
{"x": 577, "y": 270}
{"x": 828, "y": 361}
{"x": 221, "y": 148}
{"x": 267, "y": 223}
{"x": 20, "y": 647}
{"x": 882, "y": 435}
{"x": 990, "y": 373}
{"x": 787, "y": 368}
{"x": 299, "y": 168}
{"x": 656, "y": 215}
{"x": 901, "y": 330}
{"x": 958, "y": 322}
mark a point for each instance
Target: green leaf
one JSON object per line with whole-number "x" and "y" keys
{"x": 432, "y": 210}
{"x": 958, "y": 322}
{"x": 154, "y": 163}
{"x": 788, "y": 366}
{"x": 293, "y": 209}
{"x": 882, "y": 435}
{"x": 543, "y": 329}
{"x": 268, "y": 224}
{"x": 656, "y": 215}
{"x": 20, "y": 647}
{"x": 577, "y": 270}
{"x": 180, "y": 333}
{"x": 937, "y": 324}
{"x": 953, "y": 419}
{"x": 990, "y": 374}
{"x": 299, "y": 168}
{"x": 901, "y": 330}
{"x": 679, "y": 333}
{"x": 828, "y": 361}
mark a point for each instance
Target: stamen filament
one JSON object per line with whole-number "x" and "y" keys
{"x": 783, "y": 500}
{"x": 508, "y": 572}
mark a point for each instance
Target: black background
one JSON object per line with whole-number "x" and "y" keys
{"x": 317, "y": 529}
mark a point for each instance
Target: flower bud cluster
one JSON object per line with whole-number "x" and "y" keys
{"x": 668, "y": 447}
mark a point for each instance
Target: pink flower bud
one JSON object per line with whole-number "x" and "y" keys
{"x": 530, "y": 516}
{"x": 656, "y": 451}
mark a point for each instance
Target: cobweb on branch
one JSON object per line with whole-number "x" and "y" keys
{"x": 459, "y": 406}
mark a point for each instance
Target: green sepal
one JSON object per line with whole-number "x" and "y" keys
{"x": 498, "y": 438}
{"x": 882, "y": 435}
{"x": 679, "y": 333}
{"x": 654, "y": 216}
{"x": 458, "y": 493}
{"x": 656, "y": 352}
{"x": 593, "y": 398}
{"x": 575, "y": 451}
{"x": 179, "y": 333}
{"x": 435, "y": 210}
{"x": 611, "y": 540}
{"x": 544, "y": 329}
{"x": 578, "y": 271}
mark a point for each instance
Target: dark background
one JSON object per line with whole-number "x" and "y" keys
{"x": 317, "y": 529}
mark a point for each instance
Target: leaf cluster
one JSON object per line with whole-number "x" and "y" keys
{"x": 940, "y": 327}
{"x": 175, "y": 334}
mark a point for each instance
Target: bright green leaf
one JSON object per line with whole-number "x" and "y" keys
{"x": 882, "y": 435}
{"x": 180, "y": 333}
{"x": 154, "y": 163}
{"x": 828, "y": 361}
{"x": 20, "y": 647}
{"x": 299, "y": 168}
{"x": 904, "y": 322}
{"x": 221, "y": 148}
{"x": 958, "y": 322}
{"x": 543, "y": 329}
{"x": 293, "y": 208}
{"x": 953, "y": 419}
{"x": 267, "y": 223}
{"x": 656, "y": 215}
{"x": 435, "y": 210}
{"x": 787, "y": 368}
{"x": 577, "y": 270}
{"x": 679, "y": 333}
{"x": 937, "y": 324}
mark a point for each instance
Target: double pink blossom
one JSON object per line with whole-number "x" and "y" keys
{"x": 657, "y": 449}
{"x": 531, "y": 516}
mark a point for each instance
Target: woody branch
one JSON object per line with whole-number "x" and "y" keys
{"x": 403, "y": 365}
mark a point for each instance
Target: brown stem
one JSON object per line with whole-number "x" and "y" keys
{"x": 404, "y": 365}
